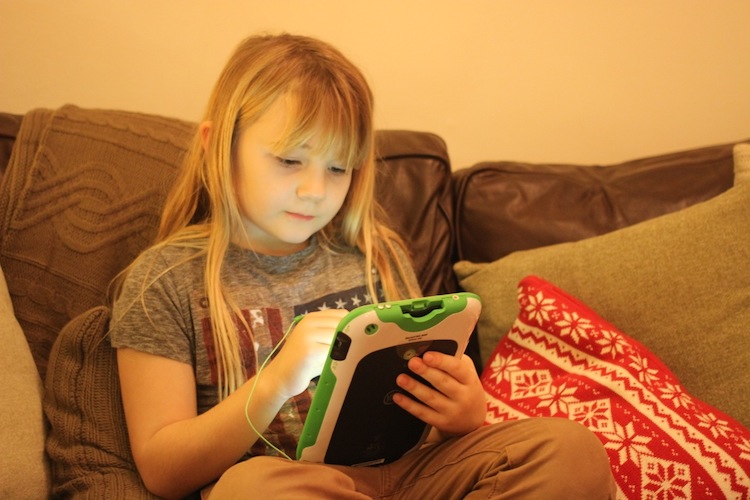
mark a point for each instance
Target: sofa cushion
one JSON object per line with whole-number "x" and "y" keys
{"x": 88, "y": 441}
{"x": 24, "y": 472}
{"x": 679, "y": 283}
{"x": 561, "y": 359}
{"x": 502, "y": 207}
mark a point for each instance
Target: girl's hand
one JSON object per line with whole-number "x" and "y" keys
{"x": 304, "y": 352}
{"x": 455, "y": 405}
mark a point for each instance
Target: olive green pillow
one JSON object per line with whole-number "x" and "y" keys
{"x": 23, "y": 466}
{"x": 741, "y": 163}
{"x": 679, "y": 283}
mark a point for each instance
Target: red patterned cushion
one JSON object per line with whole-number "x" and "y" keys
{"x": 560, "y": 359}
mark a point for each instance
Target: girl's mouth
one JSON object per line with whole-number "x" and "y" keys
{"x": 301, "y": 217}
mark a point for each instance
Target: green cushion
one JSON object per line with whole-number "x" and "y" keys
{"x": 741, "y": 163}
{"x": 679, "y": 283}
{"x": 24, "y": 472}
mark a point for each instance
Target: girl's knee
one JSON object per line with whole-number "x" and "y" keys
{"x": 574, "y": 452}
{"x": 568, "y": 435}
{"x": 556, "y": 458}
{"x": 249, "y": 475}
{"x": 282, "y": 478}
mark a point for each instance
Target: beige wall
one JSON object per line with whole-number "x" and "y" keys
{"x": 592, "y": 81}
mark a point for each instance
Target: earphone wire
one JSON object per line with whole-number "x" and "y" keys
{"x": 255, "y": 383}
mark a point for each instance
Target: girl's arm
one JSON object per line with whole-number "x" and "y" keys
{"x": 178, "y": 451}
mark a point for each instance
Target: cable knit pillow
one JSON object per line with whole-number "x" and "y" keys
{"x": 88, "y": 442}
{"x": 80, "y": 200}
{"x": 561, "y": 359}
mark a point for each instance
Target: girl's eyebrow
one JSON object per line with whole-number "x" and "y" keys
{"x": 305, "y": 146}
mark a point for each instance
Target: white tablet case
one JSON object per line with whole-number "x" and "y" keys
{"x": 353, "y": 419}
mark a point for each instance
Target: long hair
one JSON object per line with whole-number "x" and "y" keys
{"x": 333, "y": 103}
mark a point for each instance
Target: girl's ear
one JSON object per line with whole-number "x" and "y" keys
{"x": 205, "y": 131}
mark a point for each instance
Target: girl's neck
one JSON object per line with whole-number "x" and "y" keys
{"x": 272, "y": 250}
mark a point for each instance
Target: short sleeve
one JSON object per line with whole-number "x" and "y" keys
{"x": 152, "y": 313}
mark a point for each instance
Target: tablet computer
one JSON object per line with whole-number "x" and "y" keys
{"x": 353, "y": 419}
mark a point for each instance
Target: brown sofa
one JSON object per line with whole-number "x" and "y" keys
{"x": 80, "y": 198}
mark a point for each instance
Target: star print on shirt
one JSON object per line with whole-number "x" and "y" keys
{"x": 345, "y": 299}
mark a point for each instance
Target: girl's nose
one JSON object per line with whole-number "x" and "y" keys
{"x": 312, "y": 185}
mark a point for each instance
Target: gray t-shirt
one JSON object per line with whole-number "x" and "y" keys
{"x": 171, "y": 319}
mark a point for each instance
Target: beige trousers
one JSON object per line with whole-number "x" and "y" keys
{"x": 532, "y": 458}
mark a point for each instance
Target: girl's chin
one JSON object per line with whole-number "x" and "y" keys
{"x": 278, "y": 248}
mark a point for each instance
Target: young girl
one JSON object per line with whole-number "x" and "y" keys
{"x": 273, "y": 216}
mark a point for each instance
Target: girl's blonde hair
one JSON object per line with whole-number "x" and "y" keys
{"x": 333, "y": 102}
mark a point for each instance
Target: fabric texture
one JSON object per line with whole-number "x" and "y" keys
{"x": 24, "y": 472}
{"x": 680, "y": 284}
{"x": 80, "y": 199}
{"x": 560, "y": 359}
{"x": 88, "y": 441}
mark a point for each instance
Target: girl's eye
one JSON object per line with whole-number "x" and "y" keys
{"x": 287, "y": 162}
{"x": 335, "y": 170}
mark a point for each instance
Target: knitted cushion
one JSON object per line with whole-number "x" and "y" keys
{"x": 561, "y": 359}
{"x": 88, "y": 441}
{"x": 80, "y": 199}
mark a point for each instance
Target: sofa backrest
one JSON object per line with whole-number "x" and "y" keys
{"x": 85, "y": 200}
{"x": 503, "y": 206}
{"x": 82, "y": 194}
{"x": 414, "y": 186}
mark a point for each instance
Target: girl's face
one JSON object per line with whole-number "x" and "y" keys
{"x": 284, "y": 197}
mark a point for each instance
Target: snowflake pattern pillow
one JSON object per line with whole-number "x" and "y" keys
{"x": 561, "y": 359}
